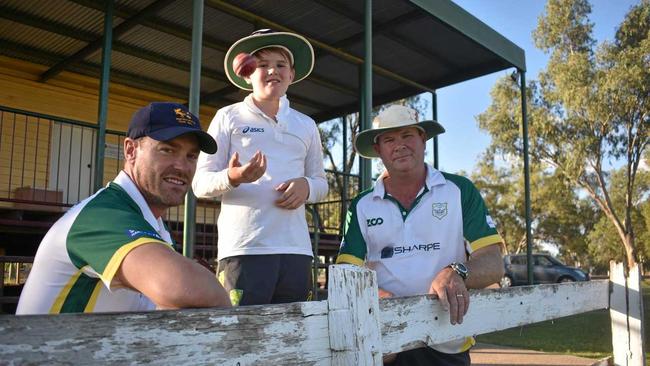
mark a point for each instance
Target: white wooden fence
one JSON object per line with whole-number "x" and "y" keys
{"x": 352, "y": 327}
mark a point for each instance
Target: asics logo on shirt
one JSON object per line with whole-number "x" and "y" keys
{"x": 252, "y": 129}
{"x": 374, "y": 221}
{"x": 389, "y": 252}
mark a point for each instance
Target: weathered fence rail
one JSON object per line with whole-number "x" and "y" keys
{"x": 352, "y": 327}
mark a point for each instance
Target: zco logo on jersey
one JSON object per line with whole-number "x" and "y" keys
{"x": 375, "y": 221}
{"x": 439, "y": 210}
{"x": 252, "y": 129}
{"x": 389, "y": 252}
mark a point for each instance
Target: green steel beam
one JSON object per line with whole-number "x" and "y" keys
{"x": 92, "y": 47}
{"x": 102, "y": 108}
{"x": 256, "y": 19}
{"x": 365, "y": 165}
{"x": 466, "y": 24}
{"x": 189, "y": 221}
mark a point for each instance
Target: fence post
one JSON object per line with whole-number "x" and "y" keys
{"x": 355, "y": 334}
{"x": 626, "y": 313}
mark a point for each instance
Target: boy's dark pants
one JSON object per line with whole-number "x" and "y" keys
{"x": 266, "y": 279}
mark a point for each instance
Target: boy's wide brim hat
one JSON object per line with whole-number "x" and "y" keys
{"x": 298, "y": 47}
{"x": 391, "y": 118}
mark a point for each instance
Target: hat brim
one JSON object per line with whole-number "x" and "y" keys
{"x": 206, "y": 142}
{"x": 365, "y": 140}
{"x": 300, "y": 48}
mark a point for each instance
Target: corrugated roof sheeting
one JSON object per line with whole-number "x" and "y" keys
{"x": 178, "y": 12}
{"x": 136, "y": 4}
{"x": 225, "y": 27}
{"x": 159, "y": 42}
{"x": 337, "y": 70}
{"x": 421, "y": 47}
{"x": 62, "y": 11}
{"x": 148, "y": 69}
{"x": 320, "y": 94}
{"x": 36, "y": 38}
{"x": 212, "y": 59}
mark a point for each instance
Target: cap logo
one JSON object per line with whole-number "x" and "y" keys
{"x": 183, "y": 117}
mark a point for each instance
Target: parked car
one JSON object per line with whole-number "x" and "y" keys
{"x": 546, "y": 269}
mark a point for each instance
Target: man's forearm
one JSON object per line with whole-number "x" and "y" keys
{"x": 485, "y": 267}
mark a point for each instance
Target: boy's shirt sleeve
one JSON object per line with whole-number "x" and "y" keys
{"x": 211, "y": 178}
{"x": 314, "y": 169}
{"x": 353, "y": 248}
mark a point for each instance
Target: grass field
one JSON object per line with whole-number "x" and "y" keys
{"x": 584, "y": 335}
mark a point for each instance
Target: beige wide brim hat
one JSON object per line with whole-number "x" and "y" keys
{"x": 299, "y": 48}
{"x": 393, "y": 117}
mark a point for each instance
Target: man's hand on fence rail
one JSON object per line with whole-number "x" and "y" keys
{"x": 450, "y": 289}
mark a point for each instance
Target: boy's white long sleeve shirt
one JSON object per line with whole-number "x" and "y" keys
{"x": 250, "y": 223}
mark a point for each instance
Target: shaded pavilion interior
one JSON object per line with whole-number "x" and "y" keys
{"x": 417, "y": 46}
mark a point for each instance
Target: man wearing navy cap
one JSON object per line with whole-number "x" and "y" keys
{"x": 112, "y": 252}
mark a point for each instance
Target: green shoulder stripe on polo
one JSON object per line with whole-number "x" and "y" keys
{"x": 475, "y": 223}
{"x": 108, "y": 222}
{"x": 353, "y": 244}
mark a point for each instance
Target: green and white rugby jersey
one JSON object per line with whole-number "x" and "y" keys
{"x": 77, "y": 260}
{"x": 408, "y": 248}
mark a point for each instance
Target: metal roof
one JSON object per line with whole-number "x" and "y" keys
{"x": 418, "y": 45}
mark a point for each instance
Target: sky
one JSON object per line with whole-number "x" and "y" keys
{"x": 458, "y": 105}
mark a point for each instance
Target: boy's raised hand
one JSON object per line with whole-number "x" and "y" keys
{"x": 294, "y": 193}
{"x": 247, "y": 173}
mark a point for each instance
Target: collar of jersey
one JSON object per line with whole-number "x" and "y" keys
{"x": 434, "y": 178}
{"x": 124, "y": 181}
{"x": 282, "y": 111}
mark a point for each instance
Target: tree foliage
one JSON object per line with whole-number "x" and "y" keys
{"x": 589, "y": 111}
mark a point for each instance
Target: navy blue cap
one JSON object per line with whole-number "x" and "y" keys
{"x": 164, "y": 121}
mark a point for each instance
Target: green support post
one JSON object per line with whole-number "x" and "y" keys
{"x": 104, "y": 82}
{"x": 529, "y": 235}
{"x": 365, "y": 165}
{"x": 434, "y": 111}
{"x": 189, "y": 220}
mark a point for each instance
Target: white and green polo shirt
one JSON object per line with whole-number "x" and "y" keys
{"x": 75, "y": 265}
{"x": 407, "y": 248}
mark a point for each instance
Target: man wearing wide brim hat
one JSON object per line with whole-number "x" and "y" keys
{"x": 423, "y": 231}
{"x": 393, "y": 117}
{"x": 264, "y": 245}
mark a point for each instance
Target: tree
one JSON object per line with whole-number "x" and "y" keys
{"x": 561, "y": 217}
{"x": 589, "y": 111}
{"x": 602, "y": 241}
